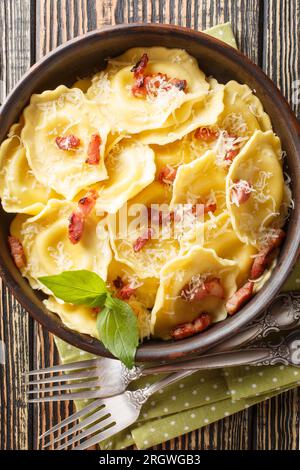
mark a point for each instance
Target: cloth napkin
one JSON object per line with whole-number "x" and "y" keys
{"x": 206, "y": 396}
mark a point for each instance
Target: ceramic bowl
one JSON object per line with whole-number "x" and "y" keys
{"x": 87, "y": 54}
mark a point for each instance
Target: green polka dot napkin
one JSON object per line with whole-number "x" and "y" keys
{"x": 206, "y": 396}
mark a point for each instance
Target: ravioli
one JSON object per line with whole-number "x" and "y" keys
{"x": 132, "y": 114}
{"x": 144, "y": 289}
{"x": 60, "y": 113}
{"x": 258, "y": 166}
{"x": 76, "y": 317}
{"x": 204, "y": 113}
{"x": 173, "y": 154}
{"x": 84, "y": 319}
{"x": 171, "y": 309}
{"x": 131, "y": 168}
{"x": 19, "y": 189}
{"x": 243, "y": 112}
{"x": 48, "y": 249}
{"x": 199, "y": 182}
{"x": 220, "y": 237}
{"x": 148, "y": 261}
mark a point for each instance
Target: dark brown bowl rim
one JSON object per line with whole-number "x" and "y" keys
{"x": 152, "y": 351}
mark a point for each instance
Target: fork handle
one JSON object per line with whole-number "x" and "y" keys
{"x": 282, "y": 315}
{"x": 254, "y": 357}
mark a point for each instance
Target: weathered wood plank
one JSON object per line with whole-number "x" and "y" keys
{"x": 277, "y": 420}
{"x": 14, "y": 322}
{"x": 277, "y": 423}
{"x": 281, "y": 58}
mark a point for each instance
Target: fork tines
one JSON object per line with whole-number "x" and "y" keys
{"x": 38, "y": 383}
{"x": 101, "y": 419}
{"x": 96, "y": 419}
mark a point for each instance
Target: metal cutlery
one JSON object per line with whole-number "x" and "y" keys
{"x": 102, "y": 377}
{"x": 106, "y": 417}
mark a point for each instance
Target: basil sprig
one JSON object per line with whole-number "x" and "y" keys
{"x": 116, "y": 322}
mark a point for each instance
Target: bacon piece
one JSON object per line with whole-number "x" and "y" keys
{"x": 239, "y": 298}
{"x": 206, "y": 134}
{"x": 126, "y": 292}
{"x": 17, "y": 251}
{"x": 139, "y": 88}
{"x": 240, "y": 192}
{"x": 94, "y": 150}
{"x": 87, "y": 203}
{"x": 191, "y": 328}
{"x": 78, "y": 216}
{"x": 76, "y": 226}
{"x": 197, "y": 294}
{"x": 212, "y": 287}
{"x": 231, "y": 154}
{"x": 118, "y": 282}
{"x": 210, "y": 207}
{"x": 180, "y": 84}
{"x": 207, "y": 207}
{"x": 147, "y": 83}
{"x": 167, "y": 175}
{"x": 69, "y": 142}
{"x": 140, "y": 67}
{"x": 263, "y": 260}
{"x": 157, "y": 80}
{"x": 142, "y": 240}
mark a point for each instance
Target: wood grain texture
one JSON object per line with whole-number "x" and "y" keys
{"x": 281, "y": 61}
{"x": 14, "y": 324}
{"x": 272, "y": 425}
{"x": 281, "y": 51}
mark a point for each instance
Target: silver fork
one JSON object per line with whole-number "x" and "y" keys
{"x": 108, "y": 416}
{"x": 102, "y": 377}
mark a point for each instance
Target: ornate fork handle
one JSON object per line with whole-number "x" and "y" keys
{"x": 282, "y": 315}
{"x": 286, "y": 352}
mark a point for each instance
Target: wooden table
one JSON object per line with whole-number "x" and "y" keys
{"x": 269, "y": 33}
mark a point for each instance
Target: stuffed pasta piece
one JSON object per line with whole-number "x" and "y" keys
{"x": 20, "y": 191}
{"x": 255, "y": 188}
{"x": 192, "y": 293}
{"x": 146, "y": 85}
{"x": 64, "y": 236}
{"x": 145, "y": 242}
{"x": 64, "y": 136}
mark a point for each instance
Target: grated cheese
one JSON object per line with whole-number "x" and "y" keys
{"x": 62, "y": 259}
{"x": 196, "y": 281}
{"x": 102, "y": 85}
{"x": 224, "y": 144}
{"x": 242, "y": 185}
{"x": 164, "y": 94}
{"x": 234, "y": 123}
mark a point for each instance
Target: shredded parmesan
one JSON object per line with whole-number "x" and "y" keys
{"x": 234, "y": 123}
{"x": 162, "y": 92}
{"x": 224, "y": 144}
{"x": 101, "y": 84}
{"x": 241, "y": 185}
{"x": 194, "y": 285}
{"x": 62, "y": 259}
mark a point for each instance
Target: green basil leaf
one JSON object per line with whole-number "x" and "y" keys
{"x": 117, "y": 329}
{"x": 77, "y": 287}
